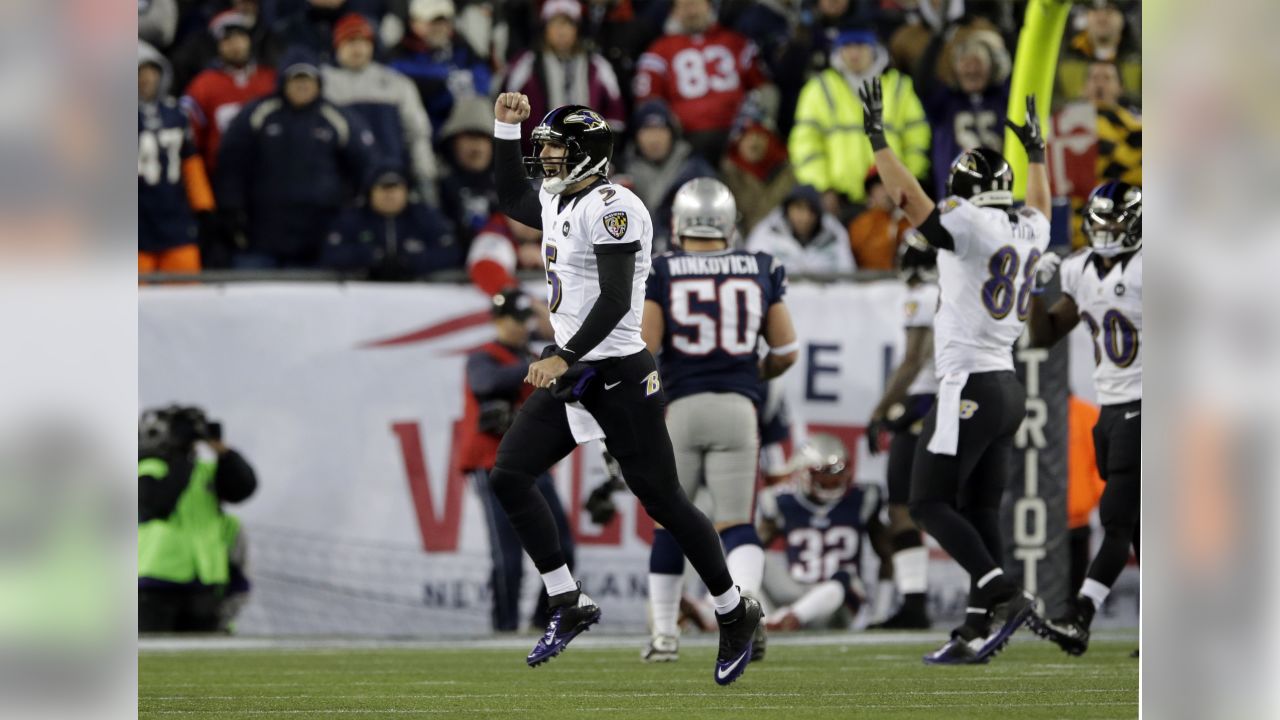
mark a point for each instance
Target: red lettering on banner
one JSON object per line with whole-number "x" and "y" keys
{"x": 439, "y": 531}
{"x": 610, "y": 533}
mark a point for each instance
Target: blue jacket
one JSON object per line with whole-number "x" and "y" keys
{"x": 414, "y": 243}
{"x": 442, "y": 74}
{"x": 164, "y": 141}
{"x": 289, "y": 170}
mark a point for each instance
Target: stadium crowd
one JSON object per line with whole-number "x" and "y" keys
{"x": 356, "y": 135}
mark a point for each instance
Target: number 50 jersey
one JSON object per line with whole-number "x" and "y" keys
{"x": 713, "y": 307}
{"x": 986, "y": 284}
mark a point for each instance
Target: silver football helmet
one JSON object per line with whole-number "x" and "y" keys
{"x": 704, "y": 208}
{"x": 825, "y": 472}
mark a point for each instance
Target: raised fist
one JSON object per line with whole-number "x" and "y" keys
{"x": 511, "y": 107}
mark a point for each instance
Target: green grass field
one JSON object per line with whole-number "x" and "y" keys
{"x": 818, "y": 677}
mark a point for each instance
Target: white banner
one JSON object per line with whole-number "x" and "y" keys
{"x": 345, "y": 399}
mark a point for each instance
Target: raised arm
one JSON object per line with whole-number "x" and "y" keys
{"x": 1037, "y": 172}
{"x": 515, "y": 198}
{"x": 1047, "y": 325}
{"x": 902, "y": 185}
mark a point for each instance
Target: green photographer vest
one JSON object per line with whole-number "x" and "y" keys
{"x": 191, "y": 544}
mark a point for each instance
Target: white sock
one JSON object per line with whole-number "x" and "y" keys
{"x": 910, "y": 569}
{"x": 664, "y": 602}
{"x": 883, "y": 604}
{"x": 727, "y": 600}
{"x": 986, "y": 579}
{"x": 819, "y": 603}
{"x": 746, "y": 565}
{"x": 559, "y": 581}
{"x": 1095, "y": 591}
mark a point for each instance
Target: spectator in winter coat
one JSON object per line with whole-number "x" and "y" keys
{"x": 391, "y": 235}
{"x": 468, "y": 193}
{"x": 563, "y": 72}
{"x": 387, "y": 101}
{"x": 875, "y": 233}
{"x": 196, "y": 51}
{"x": 310, "y": 27}
{"x": 703, "y": 72}
{"x": 217, "y": 95}
{"x": 1104, "y": 39}
{"x": 444, "y": 67}
{"x": 806, "y": 52}
{"x": 802, "y": 236}
{"x": 658, "y": 163}
{"x": 171, "y": 177}
{"x": 969, "y": 113}
{"x": 288, "y": 164}
{"x": 828, "y": 145}
{"x": 756, "y": 169}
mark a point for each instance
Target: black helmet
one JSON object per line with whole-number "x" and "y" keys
{"x": 917, "y": 260}
{"x": 587, "y": 137}
{"x": 981, "y": 176}
{"x": 1113, "y": 218}
{"x": 511, "y": 302}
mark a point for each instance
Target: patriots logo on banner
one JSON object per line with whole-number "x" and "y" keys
{"x": 590, "y": 118}
{"x": 616, "y": 224}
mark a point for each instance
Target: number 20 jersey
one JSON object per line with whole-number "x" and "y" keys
{"x": 986, "y": 284}
{"x": 713, "y": 306}
{"x": 1110, "y": 304}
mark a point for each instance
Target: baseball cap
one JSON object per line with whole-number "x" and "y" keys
{"x": 431, "y": 9}
{"x": 513, "y": 303}
{"x": 228, "y": 20}
{"x": 856, "y": 36}
{"x": 352, "y": 26}
{"x": 570, "y": 8}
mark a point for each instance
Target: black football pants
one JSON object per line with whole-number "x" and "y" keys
{"x": 626, "y": 399}
{"x": 1117, "y": 441}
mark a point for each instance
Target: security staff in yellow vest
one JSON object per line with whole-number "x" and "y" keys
{"x": 185, "y": 573}
{"x": 828, "y": 145}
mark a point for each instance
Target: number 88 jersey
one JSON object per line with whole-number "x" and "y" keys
{"x": 1110, "y": 305}
{"x": 986, "y": 284}
{"x": 713, "y": 306}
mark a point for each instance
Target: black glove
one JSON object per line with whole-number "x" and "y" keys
{"x": 875, "y": 428}
{"x": 1029, "y": 134}
{"x": 873, "y": 113}
{"x": 599, "y": 503}
{"x": 573, "y": 384}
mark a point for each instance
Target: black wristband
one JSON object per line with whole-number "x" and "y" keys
{"x": 1035, "y": 155}
{"x": 878, "y": 142}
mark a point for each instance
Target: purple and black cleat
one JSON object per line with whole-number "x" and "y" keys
{"x": 572, "y": 614}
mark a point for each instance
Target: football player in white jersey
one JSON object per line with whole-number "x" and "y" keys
{"x": 987, "y": 253}
{"x": 909, "y": 397}
{"x": 598, "y": 380}
{"x": 1102, "y": 285}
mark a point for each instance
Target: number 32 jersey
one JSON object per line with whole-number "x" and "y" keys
{"x": 822, "y": 538}
{"x": 713, "y": 308}
{"x": 1110, "y": 304}
{"x": 601, "y": 219}
{"x": 986, "y": 284}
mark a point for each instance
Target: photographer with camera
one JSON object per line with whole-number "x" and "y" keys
{"x": 190, "y": 553}
{"x": 495, "y": 390}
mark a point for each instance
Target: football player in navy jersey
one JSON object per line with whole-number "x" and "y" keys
{"x": 1102, "y": 285}
{"x": 823, "y": 522}
{"x": 707, "y": 307}
{"x": 987, "y": 254}
{"x": 598, "y": 380}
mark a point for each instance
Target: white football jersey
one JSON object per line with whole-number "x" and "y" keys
{"x": 604, "y": 215}
{"x": 921, "y": 307}
{"x": 986, "y": 284}
{"x": 1111, "y": 306}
